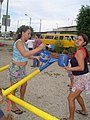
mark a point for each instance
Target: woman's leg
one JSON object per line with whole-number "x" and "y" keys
{"x": 3, "y": 118}
{"x": 38, "y": 63}
{"x": 71, "y": 100}
{"x": 14, "y": 107}
{"x": 81, "y": 102}
{"x": 7, "y": 118}
{"x": 23, "y": 90}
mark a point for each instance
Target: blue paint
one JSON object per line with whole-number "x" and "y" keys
{"x": 49, "y": 62}
{"x": 63, "y": 60}
{"x": 44, "y": 56}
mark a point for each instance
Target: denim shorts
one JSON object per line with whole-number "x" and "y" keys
{"x": 1, "y": 114}
{"x": 82, "y": 82}
{"x": 17, "y": 72}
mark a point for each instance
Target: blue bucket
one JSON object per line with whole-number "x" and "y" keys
{"x": 52, "y": 47}
{"x": 44, "y": 56}
{"x": 63, "y": 60}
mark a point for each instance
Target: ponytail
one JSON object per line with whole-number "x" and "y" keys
{"x": 18, "y": 36}
{"x": 21, "y": 29}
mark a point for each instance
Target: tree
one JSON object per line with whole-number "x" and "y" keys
{"x": 83, "y": 21}
{"x": 11, "y": 33}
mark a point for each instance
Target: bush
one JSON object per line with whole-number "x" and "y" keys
{"x": 72, "y": 50}
{"x": 59, "y": 46}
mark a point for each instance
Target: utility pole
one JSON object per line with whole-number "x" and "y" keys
{"x": 0, "y": 12}
{"x": 17, "y": 24}
{"x": 40, "y": 25}
{"x": 0, "y": 7}
{"x": 29, "y": 20}
{"x": 6, "y": 18}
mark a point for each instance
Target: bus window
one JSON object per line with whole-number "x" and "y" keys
{"x": 60, "y": 37}
{"x": 49, "y": 37}
{"x": 56, "y": 37}
{"x": 41, "y": 36}
{"x": 74, "y": 37}
{"x": 67, "y": 38}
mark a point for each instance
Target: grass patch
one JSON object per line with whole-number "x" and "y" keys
{"x": 57, "y": 74}
{"x": 10, "y": 50}
{"x": 47, "y": 73}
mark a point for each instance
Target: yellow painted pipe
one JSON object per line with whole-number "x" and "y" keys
{"x": 22, "y": 103}
{"x": 4, "y": 68}
{"x": 31, "y": 108}
{"x": 22, "y": 81}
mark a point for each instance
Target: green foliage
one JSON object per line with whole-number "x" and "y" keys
{"x": 0, "y": 34}
{"x": 83, "y": 21}
{"x": 11, "y": 33}
{"x": 72, "y": 50}
{"x": 59, "y": 46}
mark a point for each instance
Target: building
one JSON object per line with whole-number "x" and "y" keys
{"x": 0, "y": 7}
{"x": 63, "y": 30}
{"x": 68, "y": 29}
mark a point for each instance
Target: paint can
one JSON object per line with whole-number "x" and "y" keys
{"x": 63, "y": 60}
{"x": 44, "y": 56}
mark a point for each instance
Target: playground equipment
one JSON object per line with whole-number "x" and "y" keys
{"x": 22, "y": 103}
{"x": 25, "y": 79}
{"x": 45, "y": 57}
{"x": 4, "y": 68}
{"x": 31, "y": 108}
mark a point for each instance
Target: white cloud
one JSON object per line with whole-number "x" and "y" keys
{"x": 54, "y": 13}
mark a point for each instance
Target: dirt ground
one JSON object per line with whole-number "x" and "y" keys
{"x": 48, "y": 90}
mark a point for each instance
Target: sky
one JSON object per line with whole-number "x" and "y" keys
{"x": 51, "y": 13}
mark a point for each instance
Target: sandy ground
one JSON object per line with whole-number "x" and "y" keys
{"x": 48, "y": 90}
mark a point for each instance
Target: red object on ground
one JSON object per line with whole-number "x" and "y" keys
{"x": 1, "y": 44}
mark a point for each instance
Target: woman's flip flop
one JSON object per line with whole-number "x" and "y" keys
{"x": 81, "y": 112}
{"x": 64, "y": 119}
{"x": 18, "y": 111}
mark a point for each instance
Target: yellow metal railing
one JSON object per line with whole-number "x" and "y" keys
{"x": 22, "y": 103}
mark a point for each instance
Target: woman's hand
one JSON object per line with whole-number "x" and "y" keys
{"x": 37, "y": 57}
{"x": 66, "y": 67}
{"x": 42, "y": 46}
{"x": 1, "y": 99}
{"x": 1, "y": 96}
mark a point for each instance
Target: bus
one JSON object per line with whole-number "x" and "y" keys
{"x": 68, "y": 40}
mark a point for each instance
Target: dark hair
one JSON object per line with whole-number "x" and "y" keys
{"x": 38, "y": 35}
{"x": 21, "y": 29}
{"x": 85, "y": 37}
